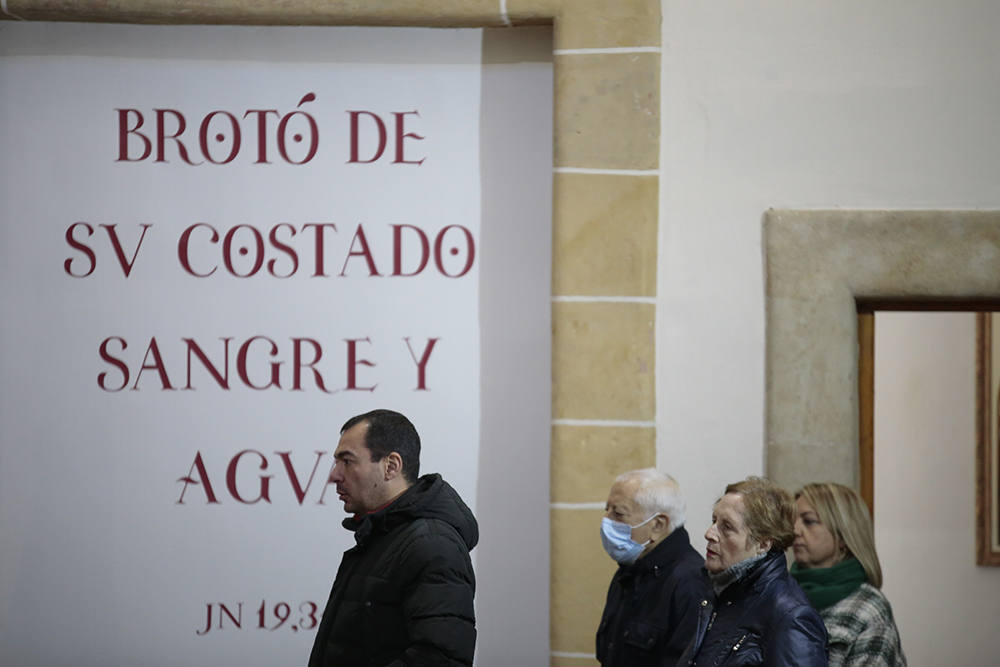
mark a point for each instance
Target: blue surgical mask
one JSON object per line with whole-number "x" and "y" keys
{"x": 617, "y": 539}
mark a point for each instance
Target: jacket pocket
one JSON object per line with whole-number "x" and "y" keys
{"x": 381, "y": 611}
{"x": 642, "y": 636}
{"x": 744, "y": 649}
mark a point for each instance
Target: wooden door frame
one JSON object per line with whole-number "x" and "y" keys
{"x": 866, "y": 373}
{"x": 986, "y": 518}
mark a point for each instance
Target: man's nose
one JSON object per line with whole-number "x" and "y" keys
{"x": 335, "y": 475}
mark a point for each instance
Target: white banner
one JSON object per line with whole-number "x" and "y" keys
{"x": 207, "y": 267}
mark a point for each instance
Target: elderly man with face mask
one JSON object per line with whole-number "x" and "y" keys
{"x": 651, "y": 610}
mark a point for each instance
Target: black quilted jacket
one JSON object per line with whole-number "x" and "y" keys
{"x": 652, "y": 606}
{"x": 403, "y": 594}
{"x": 762, "y": 619}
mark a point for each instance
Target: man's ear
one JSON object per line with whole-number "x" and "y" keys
{"x": 662, "y": 524}
{"x": 764, "y": 546}
{"x": 393, "y": 466}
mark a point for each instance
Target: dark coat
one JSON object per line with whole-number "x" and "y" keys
{"x": 403, "y": 594}
{"x": 762, "y": 619}
{"x": 652, "y": 608}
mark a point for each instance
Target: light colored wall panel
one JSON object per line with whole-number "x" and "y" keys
{"x": 604, "y": 235}
{"x": 594, "y": 23}
{"x": 580, "y": 578}
{"x": 602, "y": 361}
{"x": 607, "y": 110}
{"x": 587, "y": 459}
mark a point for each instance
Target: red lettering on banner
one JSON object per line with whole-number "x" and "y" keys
{"x": 298, "y": 365}
{"x": 245, "y": 250}
{"x": 206, "y": 484}
{"x": 236, "y": 620}
{"x": 300, "y": 493}
{"x": 123, "y": 136}
{"x": 264, "y": 484}
{"x": 353, "y": 362}
{"x": 85, "y": 249}
{"x": 161, "y": 135}
{"x": 402, "y": 135}
{"x": 220, "y": 137}
{"x": 470, "y": 251}
{"x": 286, "y": 249}
{"x": 116, "y": 245}
{"x": 219, "y": 126}
{"x": 397, "y": 250}
{"x": 259, "y": 364}
{"x": 114, "y": 361}
{"x": 221, "y": 378}
{"x": 375, "y": 121}
{"x": 365, "y": 252}
{"x": 422, "y": 363}
{"x": 239, "y": 477}
{"x": 319, "y": 227}
{"x": 119, "y": 252}
{"x": 241, "y": 364}
{"x": 297, "y": 137}
{"x": 356, "y": 133}
{"x": 227, "y": 251}
{"x": 303, "y": 617}
{"x": 157, "y": 365}
{"x": 182, "y": 249}
{"x": 261, "y": 132}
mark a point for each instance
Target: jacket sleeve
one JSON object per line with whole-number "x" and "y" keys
{"x": 610, "y": 606}
{"x": 799, "y": 640}
{"x": 685, "y": 606}
{"x": 438, "y": 600}
{"x": 876, "y": 646}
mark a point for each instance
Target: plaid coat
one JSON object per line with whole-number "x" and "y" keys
{"x": 862, "y": 631}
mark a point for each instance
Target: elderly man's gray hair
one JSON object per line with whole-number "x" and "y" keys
{"x": 657, "y": 492}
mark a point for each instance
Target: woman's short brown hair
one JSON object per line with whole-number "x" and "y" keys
{"x": 768, "y": 511}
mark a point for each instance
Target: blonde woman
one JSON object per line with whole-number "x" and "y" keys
{"x": 837, "y": 567}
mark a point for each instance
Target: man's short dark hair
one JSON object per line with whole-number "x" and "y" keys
{"x": 389, "y": 431}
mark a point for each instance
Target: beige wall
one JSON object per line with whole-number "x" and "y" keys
{"x": 784, "y": 105}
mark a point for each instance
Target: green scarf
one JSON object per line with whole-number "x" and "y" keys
{"x": 826, "y": 586}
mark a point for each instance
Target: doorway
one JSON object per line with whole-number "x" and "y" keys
{"x": 918, "y": 453}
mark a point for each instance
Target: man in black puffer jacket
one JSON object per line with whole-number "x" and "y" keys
{"x": 404, "y": 593}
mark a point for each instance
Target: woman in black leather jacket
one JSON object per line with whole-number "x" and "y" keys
{"x": 758, "y": 615}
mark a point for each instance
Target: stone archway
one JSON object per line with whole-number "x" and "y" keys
{"x": 819, "y": 264}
